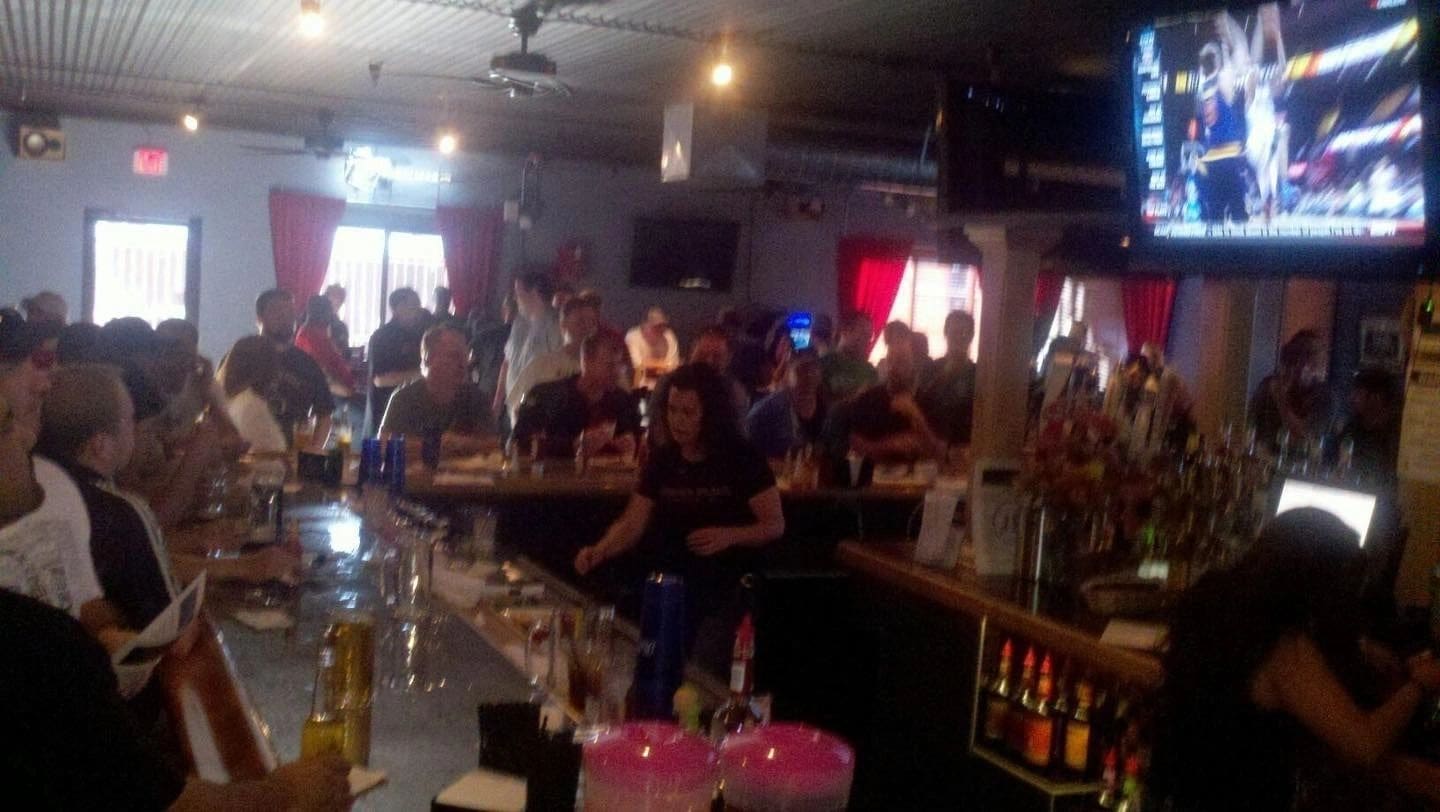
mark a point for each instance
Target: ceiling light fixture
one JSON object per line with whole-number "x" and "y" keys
{"x": 312, "y": 24}
{"x": 190, "y": 121}
{"x": 447, "y": 143}
{"x": 722, "y": 74}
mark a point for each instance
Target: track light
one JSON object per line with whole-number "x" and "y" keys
{"x": 722, "y": 74}
{"x": 447, "y": 143}
{"x": 190, "y": 121}
{"x": 312, "y": 24}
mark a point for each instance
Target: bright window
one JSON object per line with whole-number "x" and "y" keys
{"x": 927, "y": 294}
{"x": 1068, "y": 313}
{"x": 371, "y": 262}
{"x": 139, "y": 269}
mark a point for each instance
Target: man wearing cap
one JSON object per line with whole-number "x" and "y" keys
{"x": 654, "y": 350}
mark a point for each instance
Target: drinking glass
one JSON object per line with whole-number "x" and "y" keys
{"x": 540, "y": 652}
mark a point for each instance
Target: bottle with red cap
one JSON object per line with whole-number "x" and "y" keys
{"x": 1039, "y": 729}
{"x": 740, "y": 712}
{"x": 998, "y": 698}
{"x": 1020, "y": 706}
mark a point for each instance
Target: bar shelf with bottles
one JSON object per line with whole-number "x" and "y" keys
{"x": 1064, "y": 726}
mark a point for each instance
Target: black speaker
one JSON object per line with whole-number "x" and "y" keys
{"x": 970, "y": 135}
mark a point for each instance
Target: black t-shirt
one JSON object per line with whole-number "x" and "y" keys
{"x": 68, "y": 740}
{"x": 300, "y": 390}
{"x": 395, "y": 348}
{"x": 559, "y": 412}
{"x": 124, "y": 551}
{"x": 947, "y": 399}
{"x": 871, "y": 417}
{"x": 688, "y": 496}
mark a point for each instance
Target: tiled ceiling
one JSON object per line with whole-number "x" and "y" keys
{"x": 857, "y": 68}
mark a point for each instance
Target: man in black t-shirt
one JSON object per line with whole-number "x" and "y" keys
{"x": 301, "y": 389}
{"x": 587, "y": 409}
{"x": 394, "y": 353}
{"x": 70, "y": 742}
{"x": 884, "y": 423}
{"x": 947, "y": 395}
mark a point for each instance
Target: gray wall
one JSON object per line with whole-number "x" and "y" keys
{"x": 782, "y": 262}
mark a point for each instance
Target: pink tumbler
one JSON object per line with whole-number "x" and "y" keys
{"x": 649, "y": 767}
{"x": 786, "y": 767}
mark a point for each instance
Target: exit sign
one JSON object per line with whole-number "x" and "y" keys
{"x": 152, "y": 161}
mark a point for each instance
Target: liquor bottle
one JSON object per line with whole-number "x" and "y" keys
{"x": 1060, "y": 709}
{"x": 1109, "y": 780}
{"x": 997, "y": 698}
{"x": 1131, "y": 792}
{"x": 1038, "y": 728}
{"x": 740, "y": 712}
{"x": 1077, "y": 733}
{"x": 1020, "y": 704}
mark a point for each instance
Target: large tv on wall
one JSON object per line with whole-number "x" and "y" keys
{"x": 1282, "y": 126}
{"x": 686, "y": 254}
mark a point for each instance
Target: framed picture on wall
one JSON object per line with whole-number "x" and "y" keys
{"x": 1380, "y": 343}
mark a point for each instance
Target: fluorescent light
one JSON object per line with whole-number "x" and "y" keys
{"x": 447, "y": 143}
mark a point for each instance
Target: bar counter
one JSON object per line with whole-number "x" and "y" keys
{"x": 1012, "y": 606}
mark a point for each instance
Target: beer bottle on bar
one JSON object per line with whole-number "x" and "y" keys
{"x": 1038, "y": 729}
{"x": 1020, "y": 705}
{"x": 997, "y": 698}
{"x": 324, "y": 729}
{"x": 1077, "y": 733}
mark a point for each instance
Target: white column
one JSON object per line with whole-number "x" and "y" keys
{"x": 1002, "y": 373}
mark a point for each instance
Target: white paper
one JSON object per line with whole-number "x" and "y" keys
{"x": 485, "y": 791}
{"x": 135, "y": 661}
{"x": 1133, "y": 634}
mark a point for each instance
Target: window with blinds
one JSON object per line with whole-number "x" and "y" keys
{"x": 140, "y": 268}
{"x": 928, "y": 292}
{"x": 371, "y": 262}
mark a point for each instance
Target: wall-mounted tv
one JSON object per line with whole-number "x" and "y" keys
{"x": 686, "y": 254}
{"x": 1281, "y": 124}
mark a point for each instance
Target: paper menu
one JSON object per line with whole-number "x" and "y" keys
{"x": 136, "y": 660}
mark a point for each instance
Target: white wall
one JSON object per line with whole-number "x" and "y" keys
{"x": 782, "y": 262}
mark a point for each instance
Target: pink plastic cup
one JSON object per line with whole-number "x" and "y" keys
{"x": 786, "y": 768}
{"x": 649, "y": 768}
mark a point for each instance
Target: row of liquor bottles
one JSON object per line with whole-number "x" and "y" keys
{"x": 1060, "y": 723}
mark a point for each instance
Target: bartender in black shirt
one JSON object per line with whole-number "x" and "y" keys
{"x": 706, "y": 498}
{"x": 301, "y": 389}
{"x": 586, "y": 412}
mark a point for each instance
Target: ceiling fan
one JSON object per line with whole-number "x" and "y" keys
{"x": 323, "y": 144}
{"x": 521, "y": 74}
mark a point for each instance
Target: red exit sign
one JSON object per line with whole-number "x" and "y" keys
{"x": 152, "y": 161}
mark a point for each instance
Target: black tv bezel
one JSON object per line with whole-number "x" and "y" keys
{"x": 729, "y": 286}
{"x": 1289, "y": 257}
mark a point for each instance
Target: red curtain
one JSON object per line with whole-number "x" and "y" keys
{"x": 1147, "y": 303}
{"x": 869, "y": 271}
{"x": 472, "y": 250}
{"x": 302, "y": 231}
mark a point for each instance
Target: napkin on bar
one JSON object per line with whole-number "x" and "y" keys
{"x": 265, "y": 620}
{"x": 483, "y": 791}
{"x": 363, "y": 780}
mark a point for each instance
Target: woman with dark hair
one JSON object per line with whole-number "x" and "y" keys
{"x": 1268, "y": 657}
{"x": 706, "y": 498}
{"x": 314, "y": 340}
{"x": 248, "y": 376}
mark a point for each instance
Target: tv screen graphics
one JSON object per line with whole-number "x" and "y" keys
{"x": 1282, "y": 123}
{"x": 687, "y": 254}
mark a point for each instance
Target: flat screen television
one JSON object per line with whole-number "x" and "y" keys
{"x": 686, "y": 254}
{"x": 1282, "y": 126}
